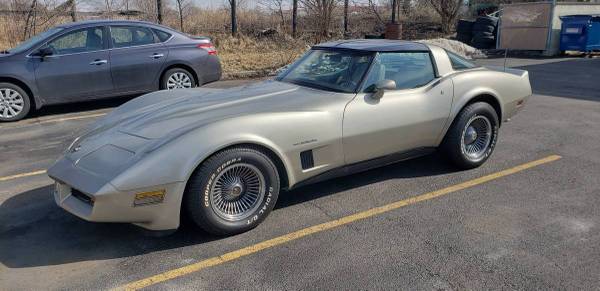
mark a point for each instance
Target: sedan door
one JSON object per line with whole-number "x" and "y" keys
{"x": 410, "y": 117}
{"x": 77, "y": 69}
{"x": 137, "y": 59}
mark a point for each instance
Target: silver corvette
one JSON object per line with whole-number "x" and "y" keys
{"x": 222, "y": 156}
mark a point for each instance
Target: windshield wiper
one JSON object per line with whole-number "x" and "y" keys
{"x": 313, "y": 85}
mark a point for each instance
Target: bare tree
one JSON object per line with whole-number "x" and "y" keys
{"x": 321, "y": 12}
{"x": 275, "y": 6}
{"x": 30, "y": 20}
{"x": 182, "y": 7}
{"x": 448, "y": 11}
{"x": 73, "y": 10}
{"x": 345, "y": 16}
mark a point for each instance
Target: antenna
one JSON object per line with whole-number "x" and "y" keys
{"x": 505, "y": 56}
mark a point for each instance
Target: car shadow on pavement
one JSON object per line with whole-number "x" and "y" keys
{"x": 35, "y": 232}
{"x": 80, "y": 106}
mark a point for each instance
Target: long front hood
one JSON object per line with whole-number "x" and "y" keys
{"x": 160, "y": 113}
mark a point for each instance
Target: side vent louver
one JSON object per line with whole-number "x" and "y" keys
{"x": 306, "y": 158}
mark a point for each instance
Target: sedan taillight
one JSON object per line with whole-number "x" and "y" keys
{"x": 209, "y": 47}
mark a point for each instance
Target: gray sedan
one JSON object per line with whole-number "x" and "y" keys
{"x": 98, "y": 59}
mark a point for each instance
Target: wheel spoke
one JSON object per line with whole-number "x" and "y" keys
{"x": 237, "y": 191}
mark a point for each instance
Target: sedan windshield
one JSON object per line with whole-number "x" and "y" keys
{"x": 331, "y": 70}
{"x": 34, "y": 40}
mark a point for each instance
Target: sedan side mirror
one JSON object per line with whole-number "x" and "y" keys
{"x": 44, "y": 52}
{"x": 381, "y": 86}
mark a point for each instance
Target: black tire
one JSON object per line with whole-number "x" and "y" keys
{"x": 487, "y": 20}
{"x": 165, "y": 78}
{"x": 198, "y": 200}
{"x": 5, "y": 101}
{"x": 483, "y": 35}
{"x": 464, "y": 38}
{"x": 483, "y": 42}
{"x": 483, "y": 28}
{"x": 453, "y": 144}
{"x": 464, "y": 26}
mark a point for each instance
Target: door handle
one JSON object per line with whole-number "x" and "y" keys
{"x": 157, "y": 56}
{"x": 99, "y": 62}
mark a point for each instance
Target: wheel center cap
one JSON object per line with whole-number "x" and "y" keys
{"x": 236, "y": 190}
{"x": 470, "y": 135}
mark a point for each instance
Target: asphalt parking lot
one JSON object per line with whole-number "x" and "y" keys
{"x": 535, "y": 226}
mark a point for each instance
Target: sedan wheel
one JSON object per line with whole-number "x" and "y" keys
{"x": 177, "y": 78}
{"x": 14, "y": 102}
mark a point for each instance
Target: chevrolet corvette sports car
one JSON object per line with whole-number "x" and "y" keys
{"x": 221, "y": 157}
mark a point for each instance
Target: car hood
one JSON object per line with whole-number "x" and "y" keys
{"x": 166, "y": 114}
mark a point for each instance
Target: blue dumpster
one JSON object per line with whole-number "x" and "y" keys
{"x": 580, "y": 33}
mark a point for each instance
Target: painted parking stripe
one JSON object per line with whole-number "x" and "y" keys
{"x": 227, "y": 257}
{"x": 22, "y": 175}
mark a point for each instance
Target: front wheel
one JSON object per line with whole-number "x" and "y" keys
{"x": 233, "y": 191}
{"x": 14, "y": 102}
{"x": 177, "y": 78}
{"x": 472, "y": 137}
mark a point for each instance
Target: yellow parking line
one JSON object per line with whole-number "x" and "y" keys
{"x": 175, "y": 273}
{"x": 23, "y": 175}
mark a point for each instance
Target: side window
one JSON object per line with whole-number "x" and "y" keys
{"x": 458, "y": 63}
{"x": 79, "y": 41}
{"x": 408, "y": 69}
{"x": 162, "y": 35}
{"x": 125, "y": 36}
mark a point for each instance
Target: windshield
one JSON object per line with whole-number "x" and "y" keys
{"x": 332, "y": 70}
{"x": 27, "y": 44}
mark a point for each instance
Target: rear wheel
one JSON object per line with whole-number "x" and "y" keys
{"x": 232, "y": 191}
{"x": 177, "y": 78}
{"x": 14, "y": 102}
{"x": 472, "y": 137}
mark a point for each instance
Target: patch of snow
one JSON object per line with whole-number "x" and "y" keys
{"x": 456, "y": 47}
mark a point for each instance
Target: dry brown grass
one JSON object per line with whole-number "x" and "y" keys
{"x": 242, "y": 54}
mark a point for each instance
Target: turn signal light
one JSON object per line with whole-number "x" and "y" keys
{"x": 151, "y": 197}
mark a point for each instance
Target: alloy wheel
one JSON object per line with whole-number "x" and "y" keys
{"x": 11, "y": 103}
{"x": 179, "y": 80}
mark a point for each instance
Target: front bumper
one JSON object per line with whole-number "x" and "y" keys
{"x": 81, "y": 194}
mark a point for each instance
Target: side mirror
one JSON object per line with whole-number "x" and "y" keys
{"x": 44, "y": 52}
{"x": 381, "y": 86}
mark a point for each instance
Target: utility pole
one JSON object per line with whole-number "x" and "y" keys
{"x": 294, "y": 17}
{"x": 233, "y": 18}
{"x": 159, "y": 16}
{"x": 394, "y": 11}
{"x": 346, "y": 16}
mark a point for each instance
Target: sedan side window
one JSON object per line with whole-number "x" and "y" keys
{"x": 162, "y": 36}
{"x": 126, "y": 36}
{"x": 408, "y": 69}
{"x": 79, "y": 41}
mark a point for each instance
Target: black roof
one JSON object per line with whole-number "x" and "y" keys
{"x": 375, "y": 45}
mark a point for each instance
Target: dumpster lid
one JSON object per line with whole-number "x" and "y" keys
{"x": 580, "y": 16}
